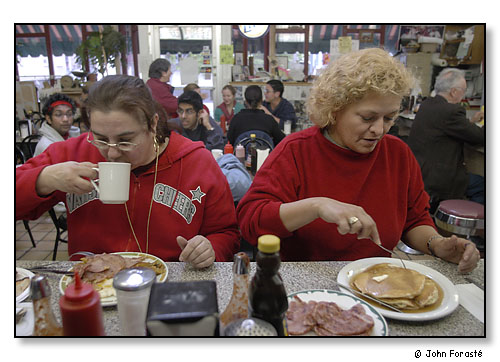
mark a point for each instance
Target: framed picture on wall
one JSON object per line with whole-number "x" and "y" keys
{"x": 411, "y": 33}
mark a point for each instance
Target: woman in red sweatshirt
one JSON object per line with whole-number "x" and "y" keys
{"x": 328, "y": 189}
{"x": 159, "y": 74}
{"x": 174, "y": 211}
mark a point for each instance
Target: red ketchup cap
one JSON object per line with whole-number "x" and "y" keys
{"x": 78, "y": 290}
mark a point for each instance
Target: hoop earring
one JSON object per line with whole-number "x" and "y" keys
{"x": 156, "y": 146}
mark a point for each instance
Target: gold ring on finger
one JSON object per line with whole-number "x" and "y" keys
{"x": 352, "y": 220}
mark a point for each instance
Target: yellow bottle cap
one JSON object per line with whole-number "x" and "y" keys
{"x": 268, "y": 244}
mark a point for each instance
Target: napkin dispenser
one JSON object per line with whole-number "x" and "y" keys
{"x": 183, "y": 309}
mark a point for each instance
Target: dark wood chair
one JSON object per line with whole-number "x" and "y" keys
{"x": 28, "y": 145}
{"x": 19, "y": 159}
{"x": 61, "y": 227}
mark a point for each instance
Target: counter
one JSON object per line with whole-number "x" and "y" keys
{"x": 299, "y": 276}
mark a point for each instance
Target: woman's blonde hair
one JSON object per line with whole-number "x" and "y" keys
{"x": 352, "y": 76}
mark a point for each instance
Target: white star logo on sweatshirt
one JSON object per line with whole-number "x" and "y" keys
{"x": 197, "y": 194}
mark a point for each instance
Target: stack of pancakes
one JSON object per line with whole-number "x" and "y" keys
{"x": 399, "y": 287}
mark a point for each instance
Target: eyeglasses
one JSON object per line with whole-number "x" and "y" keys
{"x": 187, "y": 111}
{"x": 102, "y": 145}
{"x": 61, "y": 115}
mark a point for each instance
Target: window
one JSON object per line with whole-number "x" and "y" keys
{"x": 180, "y": 41}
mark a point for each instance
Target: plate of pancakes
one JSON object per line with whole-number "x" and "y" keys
{"x": 100, "y": 269}
{"x": 420, "y": 292}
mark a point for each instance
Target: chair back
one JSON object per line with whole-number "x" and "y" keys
{"x": 261, "y": 138}
{"x": 28, "y": 145}
{"x": 19, "y": 157}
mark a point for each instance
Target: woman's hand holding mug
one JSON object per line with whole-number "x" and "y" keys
{"x": 71, "y": 177}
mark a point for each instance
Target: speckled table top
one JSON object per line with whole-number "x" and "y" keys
{"x": 300, "y": 276}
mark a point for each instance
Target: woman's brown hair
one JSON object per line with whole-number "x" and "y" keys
{"x": 130, "y": 95}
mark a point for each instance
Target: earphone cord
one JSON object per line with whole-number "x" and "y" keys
{"x": 150, "y": 207}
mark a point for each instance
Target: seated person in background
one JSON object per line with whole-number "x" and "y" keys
{"x": 228, "y": 108}
{"x": 192, "y": 218}
{"x": 159, "y": 74}
{"x": 437, "y": 138}
{"x": 327, "y": 190}
{"x": 59, "y": 110}
{"x": 197, "y": 89}
{"x": 253, "y": 118}
{"x": 277, "y": 106}
{"x": 196, "y": 124}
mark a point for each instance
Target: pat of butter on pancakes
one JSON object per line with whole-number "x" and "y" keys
{"x": 399, "y": 287}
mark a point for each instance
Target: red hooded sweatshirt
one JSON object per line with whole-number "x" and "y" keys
{"x": 191, "y": 196}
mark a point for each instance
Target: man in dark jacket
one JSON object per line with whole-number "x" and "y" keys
{"x": 196, "y": 124}
{"x": 437, "y": 138}
{"x": 277, "y": 106}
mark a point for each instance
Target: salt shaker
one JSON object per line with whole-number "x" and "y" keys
{"x": 238, "y": 304}
{"x": 46, "y": 323}
{"x": 240, "y": 153}
{"x": 81, "y": 310}
{"x": 133, "y": 287}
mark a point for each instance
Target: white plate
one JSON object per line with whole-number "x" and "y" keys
{"x": 450, "y": 297}
{"x": 26, "y": 325}
{"x": 344, "y": 301}
{"x": 24, "y": 273}
{"x": 111, "y": 301}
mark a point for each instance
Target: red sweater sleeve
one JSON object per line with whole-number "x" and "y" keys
{"x": 219, "y": 220}
{"x": 258, "y": 211}
{"x": 29, "y": 206}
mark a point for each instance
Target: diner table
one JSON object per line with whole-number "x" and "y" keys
{"x": 299, "y": 276}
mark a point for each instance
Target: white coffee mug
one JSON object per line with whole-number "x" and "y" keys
{"x": 287, "y": 127}
{"x": 217, "y": 153}
{"x": 114, "y": 182}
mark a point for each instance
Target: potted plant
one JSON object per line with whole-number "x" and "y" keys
{"x": 103, "y": 48}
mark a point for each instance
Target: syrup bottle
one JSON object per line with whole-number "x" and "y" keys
{"x": 238, "y": 305}
{"x": 81, "y": 310}
{"x": 46, "y": 323}
{"x": 267, "y": 294}
{"x": 252, "y": 148}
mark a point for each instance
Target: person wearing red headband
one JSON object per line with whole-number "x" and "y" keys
{"x": 59, "y": 110}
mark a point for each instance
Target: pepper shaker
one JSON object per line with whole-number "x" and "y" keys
{"x": 46, "y": 323}
{"x": 238, "y": 304}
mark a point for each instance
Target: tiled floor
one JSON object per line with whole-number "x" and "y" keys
{"x": 44, "y": 235}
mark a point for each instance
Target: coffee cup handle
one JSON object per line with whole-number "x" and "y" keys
{"x": 93, "y": 182}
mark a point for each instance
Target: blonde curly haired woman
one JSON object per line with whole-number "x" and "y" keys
{"x": 327, "y": 190}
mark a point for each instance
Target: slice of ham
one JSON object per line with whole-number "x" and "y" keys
{"x": 334, "y": 321}
{"x": 100, "y": 267}
{"x": 299, "y": 316}
{"x": 327, "y": 319}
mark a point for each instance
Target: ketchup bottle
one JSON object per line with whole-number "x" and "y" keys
{"x": 223, "y": 124}
{"x": 81, "y": 310}
{"x": 228, "y": 148}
